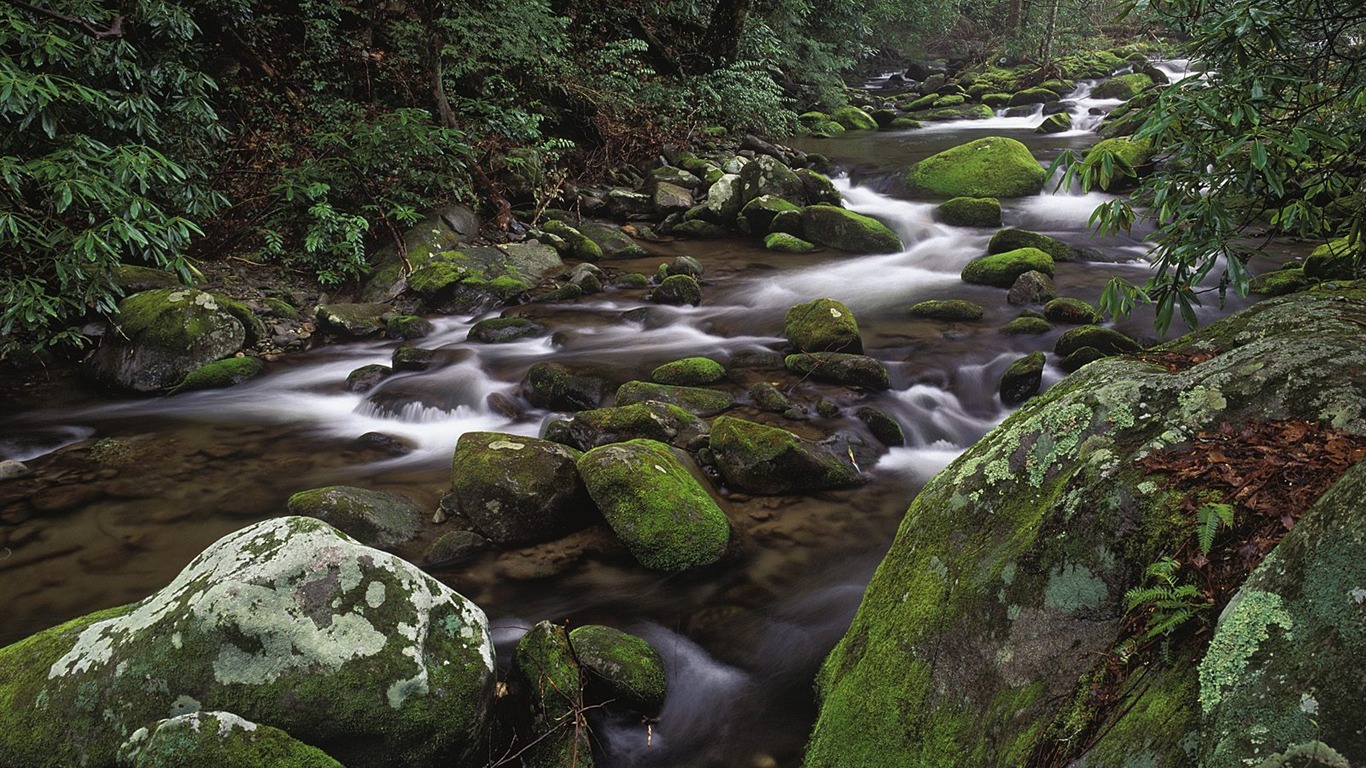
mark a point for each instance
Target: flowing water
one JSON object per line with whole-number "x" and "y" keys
{"x": 741, "y": 639}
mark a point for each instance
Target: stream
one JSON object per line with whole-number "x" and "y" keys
{"x": 741, "y": 639}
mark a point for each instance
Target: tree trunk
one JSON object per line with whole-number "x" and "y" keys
{"x": 721, "y": 44}
{"x": 1049, "y": 34}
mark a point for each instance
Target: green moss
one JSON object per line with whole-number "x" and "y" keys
{"x": 218, "y": 739}
{"x": 580, "y": 246}
{"x": 1056, "y": 123}
{"x": 1013, "y": 239}
{"x": 948, "y": 309}
{"x": 690, "y": 372}
{"x": 782, "y": 242}
{"x": 1246, "y": 624}
{"x": 1026, "y": 325}
{"x": 970, "y": 212}
{"x": 703, "y": 402}
{"x": 763, "y": 459}
{"x": 990, "y": 167}
{"x": 904, "y": 123}
{"x": 1002, "y": 269}
{"x": 221, "y": 373}
{"x": 677, "y": 290}
{"x": 1279, "y": 283}
{"x": 1124, "y": 87}
{"x": 822, "y": 325}
{"x": 1335, "y": 260}
{"x": 853, "y": 118}
{"x": 1033, "y": 96}
{"x": 841, "y": 368}
{"x": 1071, "y": 311}
{"x": 623, "y": 668}
{"x": 1107, "y": 341}
{"x": 848, "y": 231}
{"x": 498, "y": 330}
{"x": 964, "y": 112}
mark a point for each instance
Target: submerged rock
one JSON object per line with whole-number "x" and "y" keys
{"x": 287, "y": 623}
{"x": 375, "y": 518}
{"x": 518, "y": 490}
{"x": 761, "y": 459}
{"x": 163, "y": 335}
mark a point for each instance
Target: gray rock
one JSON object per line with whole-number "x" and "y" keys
{"x": 374, "y": 518}
{"x": 163, "y": 335}
{"x": 518, "y": 490}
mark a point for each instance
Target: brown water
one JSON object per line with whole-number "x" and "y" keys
{"x": 125, "y": 492}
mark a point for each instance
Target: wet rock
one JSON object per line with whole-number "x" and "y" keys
{"x": 768, "y": 177}
{"x": 990, "y": 167}
{"x": 580, "y": 245}
{"x": 622, "y": 668}
{"x": 840, "y": 368}
{"x": 220, "y": 374}
{"x": 1026, "y": 326}
{"x": 355, "y": 321}
{"x": 656, "y": 507}
{"x": 1001, "y": 269}
{"x": 1279, "y": 283}
{"x": 723, "y": 202}
{"x": 518, "y": 490}
{"x": 391, "y": 445}
{"x": 219, "y": 739}
{"x": 11, "y": 469}
{"x": 689, "y": 372}
{"x": 500, "y": 330}
{"x": 64, "y": 498}
{"x": 884, "y": 427}
{"x": 1032, "y": 287}
{"x": 1033, "y": 96}
{"x": 678, "y": 177}
{"x": 970, "y": 212}
{"x": 1022, "y": 379}
{"x": 757, "y": 458}
{"x": 782, "y": 242}
{"x": 703, "y": 402}
{"x": 625, "y": 203}
{"x": 1124, "y": 87}
{"x": 848, "y": 231}
{"x": 699, "y": 229}
{"x": 163, "y": 335}
{"x": 547, "y": 684}
{"x": 767, "y": 397}
{"x": 819, "y": 188}
{"x": 1055, "y": 123}
{"x": 374, "y": 518}
{"x": 651, "y": 419}
{"x": 559, "y": 388}
{"x": 684, "y": 265}
{"x": 615, "y": 243}
{"x": 366, "y": 377}
{"x": 1108, "y": 341}
{"x": 1014, "y": 239}
{"x": 419, "y": 359}
{"x": 455, "y": 546}
{"x": 1334, "y": 260}
{"x": 290, "y": 624}
{"x": 823, "y": 325}
{"x": 948, "y": 309}
{"x": 1070, "y": 311}
{"x": 677, "y": 290}
{"x": 757, "y": 215}
{"x": 1132, "y": 160}
{"x": 408, "y": 327}
{"x": 854, "y": 119}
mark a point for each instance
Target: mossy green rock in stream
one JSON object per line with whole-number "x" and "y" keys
{"x": 664, "y": 422}
{"x": 500, "y": 330}
{"x": 689, "y": 372}
{"x": 1001, "y": 269}
{"x": 722, "y": 203}
{"x": 963, "y": 112}
{"x": 823, "y": 325}
{"x": 220, "y": 374}
{"x": 1021, "y": 326}
{"x": 854, "y": 119}
{"x": 990, "y": 167}
{"x": 656, "y": 507}
{"x": 984, "y": 628}
{"x": 1284, "y": 668}
{"x": 840, "y": 368}
{"x": 677, "y": 290}
{"x": 970, "y": 212}
{"x": 758, "y": 458}
{"x": 1124, "y": 87}
{"x": 1014, "y": 239}
{"x": 1131, "y": 159}
{"x": 1022, "y": 379}
{"x": 782, "y": 242}
{"x": 1335, "y": 260}
{"x": 818, "y": 187}
{"x": 703, "y": 402}
{"x": 547, "y": 684}
{"x": 561, "y": 388}
{"x": 757, "y": 215}
{"x": 848, "y": 231}
{"x": 581, "y": 246}
{"x": 1056, "y": 123}
{"x": 518, "y": 490}
{"x": 1033, "y": 96}
{"x": 162, "y": 335}
{"x": 374, "y": 518}
{"x": 353, "y": 320}
{"x": 615, "y": 243}
{"x": 1279, "y": 283}
{"x": 1107, "y": 340}
{"x": 287, "y": 623}
{"x": 622, "y": 668}
{"x": 765, "y": 176}
{"x": 408, "y": 327}
{"x": 1070, "y": 311}
{"x": 220, "y": 740}
{"x": 886, "y": 429}
{"x": 948, "y": 309}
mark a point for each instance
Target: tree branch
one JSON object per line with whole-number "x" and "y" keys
{"x": 113, "y": 31}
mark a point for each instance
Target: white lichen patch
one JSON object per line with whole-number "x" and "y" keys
{"x": 506, "y": 445}
{"x": 1357, "y": 596}
{"x": 374, "y": 594}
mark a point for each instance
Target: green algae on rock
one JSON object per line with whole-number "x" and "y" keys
{"x": 823, "y": 325}
{"x": 517, "y": 490}
{"x": 758, "y": 458}
{"x": 847, "y": 231}
{"x": 221, "y": 373}
{"x": 622, "y": 668}
{"x": 220, "y": 740}
{"x": 697, "y": 400}
{"x": 286, "y": 623}
{"x": 782, "y": 242}
{"x": 162, "y": 336}
{"x": 854, "y": 370}
{"x": 1002, "y": 269}
{"x": 990, "y": 167}
{"x": 689, "y": 372}
{"x": 656, "y": 507}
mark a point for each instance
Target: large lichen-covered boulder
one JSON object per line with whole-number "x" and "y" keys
{"x": 766, "y": 175}
{"x": 655, "y": 506}
{"x": 1002, "y": 269}
{"x": 375, "y": 518}
{"x": 984, "y": 629}
{"x": 517, "y": 490}
{"x": 1283, "y": 671}
{"x": 758, "y": 458}
{"x": 848, "y": 231}
{"x": 990, "y": 167}
{"x": 652, "y": 419}
{"x": 287, "y": 623}
{"x": 823, "y": 325}
{"x": 162, "y": 336}
{"x": 547, "y": 683}
{"x": 218, "y": 739}
{"x": 621, "y": 667}
{"x": 840, "y": 368}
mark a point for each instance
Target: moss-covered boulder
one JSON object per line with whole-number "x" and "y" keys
{"x": 1033, "y": 96}
{"x": 1124, "y": 87}
{"x": 818, "y": 187}
{"x": 758, "y": 458}
{"x": 782, "y": 242}
{"x": 560, "y": 388}
{"x": 354, "y": 321}
{"x": 408, "y": 327}
{"x": 500, "y": 330}
{"x": 723, "y": 202}
{"x": 697, "y": 400}
{"x": 1107, "y": 340}
{"x": 757, "y": 215}
{"x": 287, "y": 623}
{"x": 219, "y": 739}
{"x": 546, "y": 683}
{"x": 948, "y": 309}
{"x": 1069, "y": 311}
{"x": 221, "y": 373}
{"x": 374, "y": 518}
{"x": 453, "y": 277}
{"x": 581, "y": 246}
{"x": 854, "y": 119}
{"x": 841, "y": 368}
{"x": 1013, "y": 239}
{"x": 162, "y": 335}
{"x": 1022, "y": 379}
{"x": 677, "y": 290}
{"x": 990, "y": 625}
{"x": 1336, "y": 259}
{"x": 1059, "y": 122}
{"x": 970, "y": 212}
{"x": 823, "y": 325}
{"x": 848, "y": 231}
{"x": 1131, "y": 160}
{"x": 622, "y": 668}
{"x": 650, "y": 419}
{"x": 1280, "y": 282}
{"x": 1001, "y": 269}
{"x": 1031, "y": 326}
{"x": 768, "y": 176}
{"x": 518, "y": 490}
{"x": 885, "y": 428}
{"x": 689, "y": 372}
{"x": 656, "y": 507}
{"x": 961, "y": 112}
{"x": 767, "y": 397}
{"x": 615, "y": 243}
{"x": 990, "y": 167}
